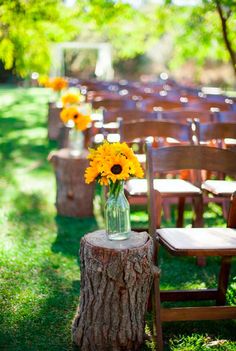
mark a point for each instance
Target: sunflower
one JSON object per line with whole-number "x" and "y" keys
{"x": 58, "y": 83}
{"x": 71, "y": 113}
{"x": 70, "y": 99}
{"x": 117, "y": 168}
{"x": 112, "y": 163}
{"x": 68, "y": 114}
{"x": 81, "y": 121}
{"x": 91, "y": 174}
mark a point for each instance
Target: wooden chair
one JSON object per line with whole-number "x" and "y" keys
{"x": 190, "y": 241}
{"x": 109, "y": 125}
{"x": 211, "y": 105}
{"x": 159, "y": 104}
{"x": 127, "y": 115}
{"x": 227, "y": 116}
{"x": 114, "y": 104}
{"x": 219, "y": 132}
{"x": 183, "y": 114}
{"x": 136, "y": 189}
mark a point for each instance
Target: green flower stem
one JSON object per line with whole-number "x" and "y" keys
{"x": 115, "y": 188}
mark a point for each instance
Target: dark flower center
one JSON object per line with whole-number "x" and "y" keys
{"x": 116, "y": 169}
{"x": 75, "y": 115}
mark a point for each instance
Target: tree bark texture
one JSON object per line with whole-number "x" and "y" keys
{"x": 116, "y": 278}
{"x": 54, "y": 121}
{"x": 74, "y": 197}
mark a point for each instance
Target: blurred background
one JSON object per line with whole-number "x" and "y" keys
{"x": 192, "y": 41}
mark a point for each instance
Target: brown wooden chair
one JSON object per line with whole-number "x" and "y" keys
{"x": 136, "y": 189}
{"x": 227, "y": 116}
{"x": 190, "y": 241}
{"x": 211, "y": 105}
{"x": 219, "y": 133}
{"x": 109, "y": 124}
{"x": 159, "y": 104}
{"x": 114, "y": 104}
{"x": 183, "y": 114}
{"x": 127, "y": 115}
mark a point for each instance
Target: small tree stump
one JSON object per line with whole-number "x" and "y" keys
{"x": 54, "y": 121}
{"x": 74, "y": 197}
{"x": 116, "y": 279}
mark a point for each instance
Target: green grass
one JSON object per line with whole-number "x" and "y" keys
{"x": 39, "y": 265}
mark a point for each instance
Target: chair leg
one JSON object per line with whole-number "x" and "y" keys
{"x": 157, "y": 327}
{"x": 166, "y": 209}
{"x": 158, "y": 209}
{"x": 198, "y": 209}
{"x": 180, "y": 218}
{"x": 198, "y": 223}
{"x": 225, "y": 208}
{"x": 223, "y": 280}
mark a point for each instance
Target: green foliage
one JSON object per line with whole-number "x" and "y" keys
{"x": 197, "y": 31}
{"x": 28, "y": 28}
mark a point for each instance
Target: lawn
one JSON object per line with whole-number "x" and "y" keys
{"x": 39, "y": 266}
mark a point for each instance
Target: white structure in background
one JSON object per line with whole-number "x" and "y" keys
{"x": 103, "y": 69}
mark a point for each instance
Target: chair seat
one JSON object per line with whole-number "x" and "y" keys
{"x": 198, "y": 241}
{"x": 164, "y": 186}
{"x": 220, "y": 187}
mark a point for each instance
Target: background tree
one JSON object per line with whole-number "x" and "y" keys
{"x": 27, "y": 29}
{"x": 206, "y": 31}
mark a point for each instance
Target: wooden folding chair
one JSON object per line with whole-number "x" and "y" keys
{"x": 191, "y": 241}
{"x": 212, "y": 105}
{"x": 183, "y": 114}
{"x": 219, "y": 133}
{"x": 136, "y": 189}
{"x": 226, "y": 116}
{"x": 159, "y": 104}
{"x": 114, "y": 104}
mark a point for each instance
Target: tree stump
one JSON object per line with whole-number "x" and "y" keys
{"x": 63, "y": 137}
{"x": 74, "y": 197}
{"x": 116, "y": 279}
{"x": 54, "y": 121}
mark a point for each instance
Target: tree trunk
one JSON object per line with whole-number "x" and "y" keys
{"x": 74, "y": 197}
{"x": 228, "y": 45}
{"x": 116, "y": 279}
{"x": 54, "y": 121}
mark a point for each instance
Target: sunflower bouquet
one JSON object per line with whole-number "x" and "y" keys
{"x": 73, "y": 117}
{"x": 111, "y": 164}
{"x": 58, "y": 84}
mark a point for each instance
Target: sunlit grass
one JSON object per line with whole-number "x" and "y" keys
{"x": 39, "y": 262}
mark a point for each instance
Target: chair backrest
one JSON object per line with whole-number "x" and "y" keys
{"x": 215, "y": 130}
{"x": 114, "y": 104}
{"x": 211, "y": 105}
{"x": 142, "y": 129}
{"x": 127, "y": 115}
{"x": 159, "y": 104}
{"x": 166, "y": 159}
{"x": 227, "y": 116}
{"x": 181, "y": 115}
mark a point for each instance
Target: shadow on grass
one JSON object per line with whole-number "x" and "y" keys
{"x": 44, "y": 324}
{"x": 69, "y": 233}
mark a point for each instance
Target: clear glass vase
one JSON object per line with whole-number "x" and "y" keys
{"x": 117, "y": 213}
{"x": 76, "y": 142}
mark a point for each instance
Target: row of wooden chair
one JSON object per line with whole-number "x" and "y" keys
{"x": 192, "y": 186}
{"x": 155, "y": 92}
{"x": 159, "y": 104}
